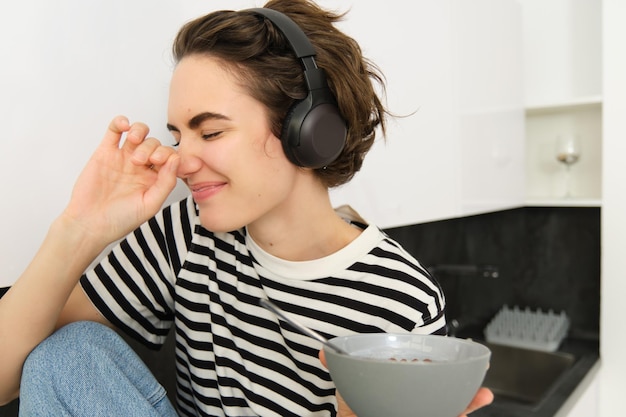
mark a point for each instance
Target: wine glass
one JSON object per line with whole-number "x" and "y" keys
{"x": 568, "y": 153}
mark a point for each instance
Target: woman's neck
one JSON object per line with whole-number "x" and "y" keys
{"x": 303, "y": 229}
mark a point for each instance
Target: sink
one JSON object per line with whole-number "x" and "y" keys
{"x": 524, "y": 375}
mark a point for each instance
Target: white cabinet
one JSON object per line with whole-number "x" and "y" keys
{"x": 563, "y": 95}
{"x": 455, "y": 69}
{"x": 562, "y": 50}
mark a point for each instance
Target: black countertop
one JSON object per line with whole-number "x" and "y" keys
{"x": 586, "y": 352}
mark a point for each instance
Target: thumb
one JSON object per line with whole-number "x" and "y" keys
{"x": 164, "y": 184}
{"x": 322, "y": 357}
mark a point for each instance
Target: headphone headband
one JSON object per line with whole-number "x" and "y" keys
{"x": 314, "y": 133}
{"x": 299, "y": 42}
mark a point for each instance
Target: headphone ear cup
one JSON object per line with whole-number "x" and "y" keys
{"x": 313, "y": 133}
{"x": 313, "y": 137}
{"x": 289, "y": 135}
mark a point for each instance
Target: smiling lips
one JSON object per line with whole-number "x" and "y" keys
{"x": 206, "y": 190}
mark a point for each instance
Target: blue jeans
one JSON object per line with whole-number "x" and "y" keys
{"x": 86, "y": 369}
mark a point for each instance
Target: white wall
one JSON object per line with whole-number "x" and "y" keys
{"x": 613, "y": 337}
{"x": 68, "y": 67}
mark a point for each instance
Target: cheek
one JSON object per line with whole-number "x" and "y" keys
{"x": 274, "y": 173}
{"x": 273, "y": 147}
{"x": 269, "y": 157}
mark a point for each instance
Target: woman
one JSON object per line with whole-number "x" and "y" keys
{"x": 258, "y": 225}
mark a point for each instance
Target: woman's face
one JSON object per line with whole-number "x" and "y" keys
{"x": 234, "y": 166}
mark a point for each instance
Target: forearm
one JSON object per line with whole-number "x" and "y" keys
{"x": 30, "y": 310}
{"x": 122, "y": 186}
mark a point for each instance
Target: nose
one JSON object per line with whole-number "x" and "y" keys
{"x": 189, "y": 162}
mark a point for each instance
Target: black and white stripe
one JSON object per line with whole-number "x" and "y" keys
{"x": 234, "y": 358}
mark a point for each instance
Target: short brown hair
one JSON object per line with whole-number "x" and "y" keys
{"x": 264, "y": 62}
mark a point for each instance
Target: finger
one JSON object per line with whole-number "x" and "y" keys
{"x": 160, "y": 156}
{"x": 483, "y": 397}
{"x": 142, "y": 153}
{"x": 113, "y": 135}
{"x": 322, "y": 357}
{"x": 164, "y": 184}
{"x": 137, "y": 133}
{"x": 343, "y": 410}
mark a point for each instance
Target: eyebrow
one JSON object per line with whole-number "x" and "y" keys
{"x": 197, "y": 120}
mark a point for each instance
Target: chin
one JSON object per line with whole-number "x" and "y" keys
{"x": 217, "y": 225}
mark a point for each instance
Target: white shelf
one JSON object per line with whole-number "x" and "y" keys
{"x": 563, "y": 202}
{"x": 545, "y": 178}
{"x": 555, "y": 107}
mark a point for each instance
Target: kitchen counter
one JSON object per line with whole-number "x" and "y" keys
{"x": 587, "y": 361}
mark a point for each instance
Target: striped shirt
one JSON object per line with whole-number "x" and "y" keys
{"x": 233, "y": 357}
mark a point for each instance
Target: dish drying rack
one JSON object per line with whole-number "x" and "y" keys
{"x": 528, "y": 329}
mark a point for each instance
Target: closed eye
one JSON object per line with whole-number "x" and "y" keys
{"x": 176, "y": 139}
{"x": 209, "y": 136}
{"x": 206, "y": 136}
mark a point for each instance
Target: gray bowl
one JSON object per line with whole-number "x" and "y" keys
{"x": 402, "y": 375}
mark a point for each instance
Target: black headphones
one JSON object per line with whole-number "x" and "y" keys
{"x": 314, "y": 133}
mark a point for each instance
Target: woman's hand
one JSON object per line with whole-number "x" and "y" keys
{"x": 483, "y": 397}
{"x": 122, "y": 186}
{"x": 342, "y": 408}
